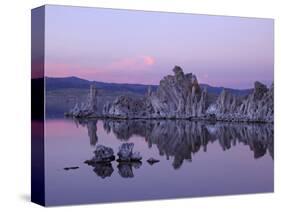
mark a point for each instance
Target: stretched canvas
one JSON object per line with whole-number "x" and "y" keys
{"x": 137, "y": 105}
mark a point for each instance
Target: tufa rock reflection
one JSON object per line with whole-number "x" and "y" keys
{"x": 181, "y": 139}
{"x": 125, "y": 169}
{"x": 103, "y": 170}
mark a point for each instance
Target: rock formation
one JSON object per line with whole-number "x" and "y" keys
{"x": 151, "y": 161}
{"x": 86, "y": 109}
{"x": 179, "y": 96}
{"x": 71, "y": 168}
{"x": 256, "y": 107}
{"x": 125, "y": 107}
{"x": 102, "y": 154}
{"x": 259, "y": 105}
{"x": 126, "y": 153}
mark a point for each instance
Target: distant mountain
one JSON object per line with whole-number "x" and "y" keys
{"x": 75, "y": 82}
{"x": 78, "y": 83}
{"x": 53, "y": 83}
{"x": 218, "y": 90}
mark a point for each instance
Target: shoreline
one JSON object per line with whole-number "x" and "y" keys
{"x": 191, "y": 119}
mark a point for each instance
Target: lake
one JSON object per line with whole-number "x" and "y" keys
{"x": 196, "y": 159}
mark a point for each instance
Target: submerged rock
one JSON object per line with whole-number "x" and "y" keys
{"x": 151, "y": 161}
{"x": 102, "y": 154}
{"x": 126, "y": 153}
{"x": 71, "y": 168}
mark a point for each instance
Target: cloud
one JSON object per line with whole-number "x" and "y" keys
{"x": 148, "y": 60}
{"x": 124, "y": 69}
{"x": 70, "y": 69}
{"x": 131, "y": 63}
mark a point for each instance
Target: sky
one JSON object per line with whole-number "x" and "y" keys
{"x": 127, "y": 46}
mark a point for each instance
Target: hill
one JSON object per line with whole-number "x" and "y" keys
{"x": 63, "y": 93}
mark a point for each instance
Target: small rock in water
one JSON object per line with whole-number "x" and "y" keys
{"x": 103, "y": 154}
{"x": 126, "y": 153}
{"x": 136, "y": 156}
{"x": 151, "y": 161}
{"x": 71, "y": 168}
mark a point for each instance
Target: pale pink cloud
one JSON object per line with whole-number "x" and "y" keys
{"x": 148, "y": 60}
{"x": 132, "y": 63}
{"x": 70, "y": 69}
{"x": 60, "y": 69}
{"x": 124, "y": 69}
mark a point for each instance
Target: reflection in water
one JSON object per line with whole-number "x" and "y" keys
{"x": 204, "y": 159}
{"x": 92, "y": 129}
{"x": 103, "y": 170}
{"x": 181, "y": 139}
{"x": 125, "y": 169}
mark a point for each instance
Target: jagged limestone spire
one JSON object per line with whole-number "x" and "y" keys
{"x": 149, "y": 90}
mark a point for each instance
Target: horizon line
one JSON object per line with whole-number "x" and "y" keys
{"x": 211, "y": 85}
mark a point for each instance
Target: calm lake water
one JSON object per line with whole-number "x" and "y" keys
{"x": 196, "y": 159}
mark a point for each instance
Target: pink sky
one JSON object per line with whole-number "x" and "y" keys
{"x": 142, "y": 47}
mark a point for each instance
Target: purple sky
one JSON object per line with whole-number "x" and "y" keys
{"x": 142, "y": 47}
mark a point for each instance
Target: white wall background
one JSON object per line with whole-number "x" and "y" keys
{"x": 15, "y": 104}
